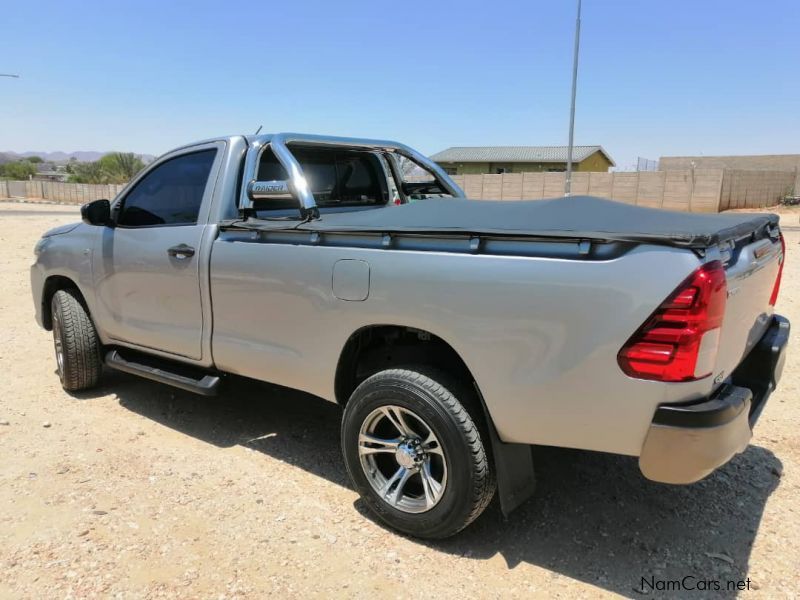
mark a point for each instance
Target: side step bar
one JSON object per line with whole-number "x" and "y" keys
{"x": 206, "y": 386}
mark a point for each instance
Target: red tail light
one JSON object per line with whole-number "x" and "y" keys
{"x": 679, "y": 341}
{"x": 777, "y": 287}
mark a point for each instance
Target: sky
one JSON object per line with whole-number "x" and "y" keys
{"x": 655, "y": 78}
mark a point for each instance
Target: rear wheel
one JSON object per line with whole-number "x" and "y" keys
{"x": 415, "y": 454}
{"x": 76, "y": 344}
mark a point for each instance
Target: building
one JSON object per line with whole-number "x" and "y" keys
{"x": 59, "y": 176}
{"x": 51, "y": 172}
{"x": 469, "y": 160}
{"x": 754, "y": 162}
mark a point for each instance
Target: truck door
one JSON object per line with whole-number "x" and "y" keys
{"x": 146, "y": 268}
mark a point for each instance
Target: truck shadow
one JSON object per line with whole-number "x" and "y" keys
{"x": 594, "y": 518}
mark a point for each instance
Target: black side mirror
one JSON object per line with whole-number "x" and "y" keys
{"x": 97, "y": 212}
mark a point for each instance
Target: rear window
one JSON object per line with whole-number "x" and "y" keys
{"x": 419, "y": 183}
{"x": 336, "y": 177}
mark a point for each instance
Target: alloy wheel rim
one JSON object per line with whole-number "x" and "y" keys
{"x": 402, "y": 459}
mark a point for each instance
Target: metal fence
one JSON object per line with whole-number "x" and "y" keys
{"x": 646, "y": 164}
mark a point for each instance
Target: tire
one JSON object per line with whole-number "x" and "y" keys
{"x": 442, "y": 445}
{"x": 76, "y": 343}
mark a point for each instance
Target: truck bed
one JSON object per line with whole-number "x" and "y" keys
{"x": 576, "y": 217}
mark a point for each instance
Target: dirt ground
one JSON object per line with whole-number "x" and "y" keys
{"x": 136, "y": 490}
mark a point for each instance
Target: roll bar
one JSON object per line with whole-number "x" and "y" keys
{"x": 297, "y": 185}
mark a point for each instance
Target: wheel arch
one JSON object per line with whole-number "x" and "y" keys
{"x": 373, "y": 348}
{"x": 53, "y": 284}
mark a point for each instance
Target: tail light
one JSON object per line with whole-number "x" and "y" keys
{"x": 777, "y": 287}
{"x": 679, "y": 341}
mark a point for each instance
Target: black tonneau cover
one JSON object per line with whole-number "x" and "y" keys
{"x": 582, "y": 217}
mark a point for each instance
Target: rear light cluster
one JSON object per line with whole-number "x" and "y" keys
{"x": 776, "y": 288}
{"x": 679, "y": 341}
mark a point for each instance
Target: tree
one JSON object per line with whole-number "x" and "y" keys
{"x": 120, "y": 167}
{"x": 116, "y": 167}
{"x": 19, "y": 170}
{"x": 86, "y": 172}
{"x": 35, "y": 159}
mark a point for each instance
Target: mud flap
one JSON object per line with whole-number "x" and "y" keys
{"x": 513, "y": 465}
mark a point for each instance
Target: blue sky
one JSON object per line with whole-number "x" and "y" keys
{"x": 656, "y": 78}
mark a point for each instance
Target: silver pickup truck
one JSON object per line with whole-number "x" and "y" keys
{"x": 454, "y": 333}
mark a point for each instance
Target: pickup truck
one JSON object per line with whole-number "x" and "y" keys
{"x": 454, "y": 333}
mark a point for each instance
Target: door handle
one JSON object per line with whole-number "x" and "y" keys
{"x": 181, "y": 251}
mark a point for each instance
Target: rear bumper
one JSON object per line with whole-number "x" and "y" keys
{"x": 686, "y": 442}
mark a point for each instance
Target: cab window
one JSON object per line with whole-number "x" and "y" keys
{"x": 170, "y": 194}
{"x": 337, "y": 178}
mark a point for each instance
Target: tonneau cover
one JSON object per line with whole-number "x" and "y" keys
{"x": 574, "y": 217}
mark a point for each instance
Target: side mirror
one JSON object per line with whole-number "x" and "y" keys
{"x": 97, "y": 212}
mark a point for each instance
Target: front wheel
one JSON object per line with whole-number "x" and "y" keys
{"x": 76, "y": 343}
{"x": 414, "y": 453}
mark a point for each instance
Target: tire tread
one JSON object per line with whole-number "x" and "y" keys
{"x": 81, "y": 346}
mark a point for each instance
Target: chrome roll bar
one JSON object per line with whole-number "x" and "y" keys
{"x": 298, "y": 184}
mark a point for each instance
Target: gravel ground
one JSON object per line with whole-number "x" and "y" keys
{"x": 136, "y": 490}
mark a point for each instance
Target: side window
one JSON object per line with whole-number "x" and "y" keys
{"x": 170, "y": 194}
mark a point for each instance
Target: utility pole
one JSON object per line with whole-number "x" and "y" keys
{"x": 568, "y": 181}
